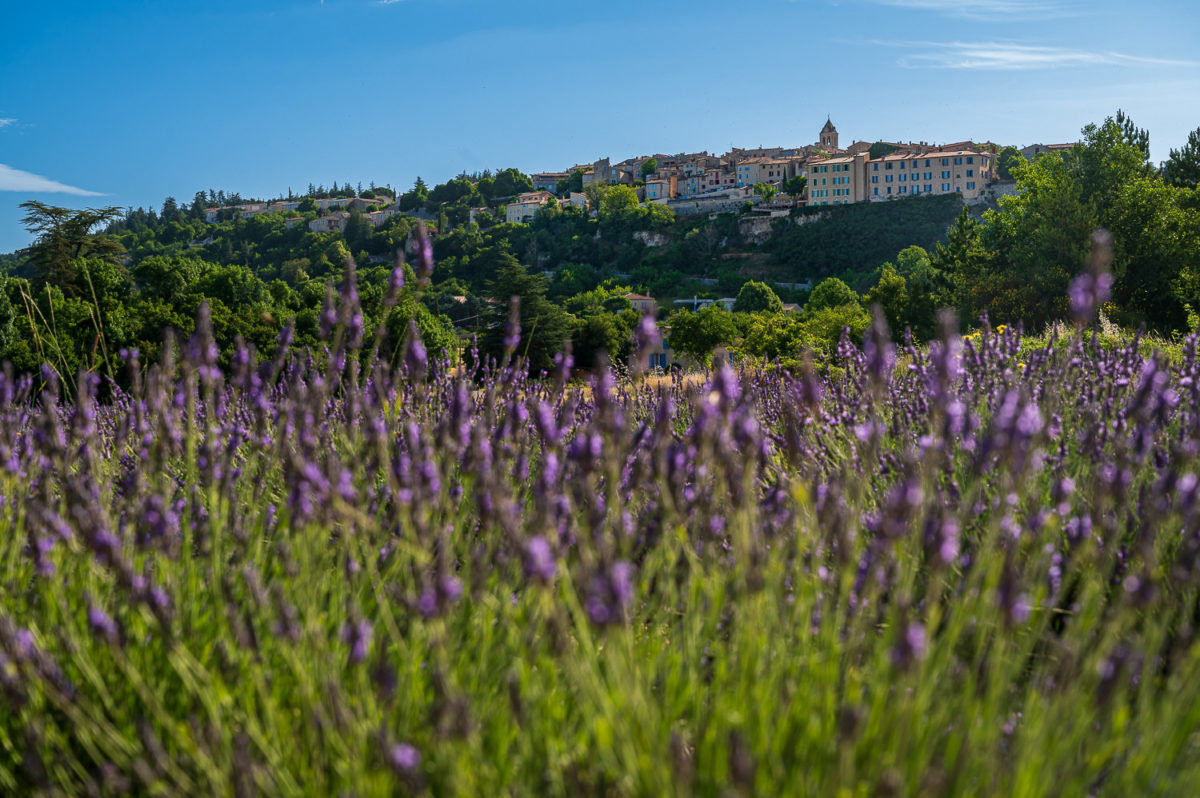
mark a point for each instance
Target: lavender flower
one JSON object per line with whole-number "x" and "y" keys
{"x": 357, "y": 635}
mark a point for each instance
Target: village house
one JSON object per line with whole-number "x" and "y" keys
{"x": 525, "y": 206}
{"x": 548, "y": 181}
{"x": 753, "y": 171}
{"x": 663, "y": 188}
{"x": 574, "y": 200}
{"x": 837, "y": 181}
{"x": 643, "y": 304}
{"x": 333, "y": 223}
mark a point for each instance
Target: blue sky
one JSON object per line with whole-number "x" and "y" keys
{"x": 125, "y": 103}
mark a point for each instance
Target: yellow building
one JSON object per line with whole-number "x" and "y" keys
{"x": 837, "y": 181}
{"x": 964, "y": 172}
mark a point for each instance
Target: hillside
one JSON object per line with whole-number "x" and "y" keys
{"x": 851, "y": 241}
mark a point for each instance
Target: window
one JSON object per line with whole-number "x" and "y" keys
{"x": 945, "y": 162}
{"x": 970, "y": 159}
{"x": 889, "y": 189}
{"x": 927, "y": 162}
{"x": 903, "y": 189}
{"x": 958, "y": 161}
{"x": 970, "y": 173}
{"x": 902, "y": 178}
{"x": 916, "y": 190}
{"x": 887, "y": 166}
{"x": 929, "y": 175}
{"x": 928, "y": 187}
{"x": 875, "y": 179}
{"x": 945, "y": 186}
{"x": 970, "y": 184}
{"x": 874, "y": 167}
{"x": 945, "y": 175}
{"x": 888, "y": 179}
{"x": 902, "y": 164}
{"x": 915, "y": 164}
{"x": 876, "y": 190}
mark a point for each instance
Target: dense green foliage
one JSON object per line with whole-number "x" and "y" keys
{"x": 1007, "y": 162}
{"x": 851, "y": 241}
{"x": 757, "y": 297}
{"x": 1017, "y": 262}
{"x": 1182, "y": 168}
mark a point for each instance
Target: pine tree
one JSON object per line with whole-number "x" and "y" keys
{"x": 1183, "y": 167}
{"x": 1137, "y": 136}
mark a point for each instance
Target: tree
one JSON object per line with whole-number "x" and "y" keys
{"x": 436, "y": 332}
{"x": 823, "y": 327}
{"x": 1105, "y": 161}
{"x": 511, "y": 182}
{"x": 1156, "y": 253}
{"x": 697, "y": 334}
{"x": 766, "y": 190}
{"x": 545, "y": 327}
{"x": 609, "y": 333}
{"x": 198, "y": 206}
{"x": 879, "y": 149}
{"x": 617, "y": 200}
{"x": 649, "y": 167}
{"x": 606, "y": 298}
{"x": 166, "y": 278}
{"x": 891, "y": 294}
{"x": 778, "y": 337}
{"x": 451, "y": 191}
{"x": 358, "y": 229}
{"x": 757, "y": 297}
{"x": 572, "y": 182}
{"x": 63, "y": 238}
{"x": 1008, "y": 161}
{"x": 795, "y": 186}
{"x": 416, "y": 197}
{"x": 831, "y": 293}
{"x": 659, "y": 215}
{"x": 1039, "y": 241}
{"x": 596, "y": 192}
{"x": 1182, "y": 168}
{"x": 1137, "y": 137}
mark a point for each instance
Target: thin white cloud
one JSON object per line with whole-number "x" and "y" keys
{"x": 989, "y": 10}
{"x": 1009, "y": 56}
{"x": 16, "y": 180}
{"x": 6, "y": 122}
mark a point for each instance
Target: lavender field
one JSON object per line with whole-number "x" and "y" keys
{"x": 963, "y": 569}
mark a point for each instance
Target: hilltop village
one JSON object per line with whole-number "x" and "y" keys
{"x": 773, "y": 180}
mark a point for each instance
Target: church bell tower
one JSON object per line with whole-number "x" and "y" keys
{"x": 829, "y": 136}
